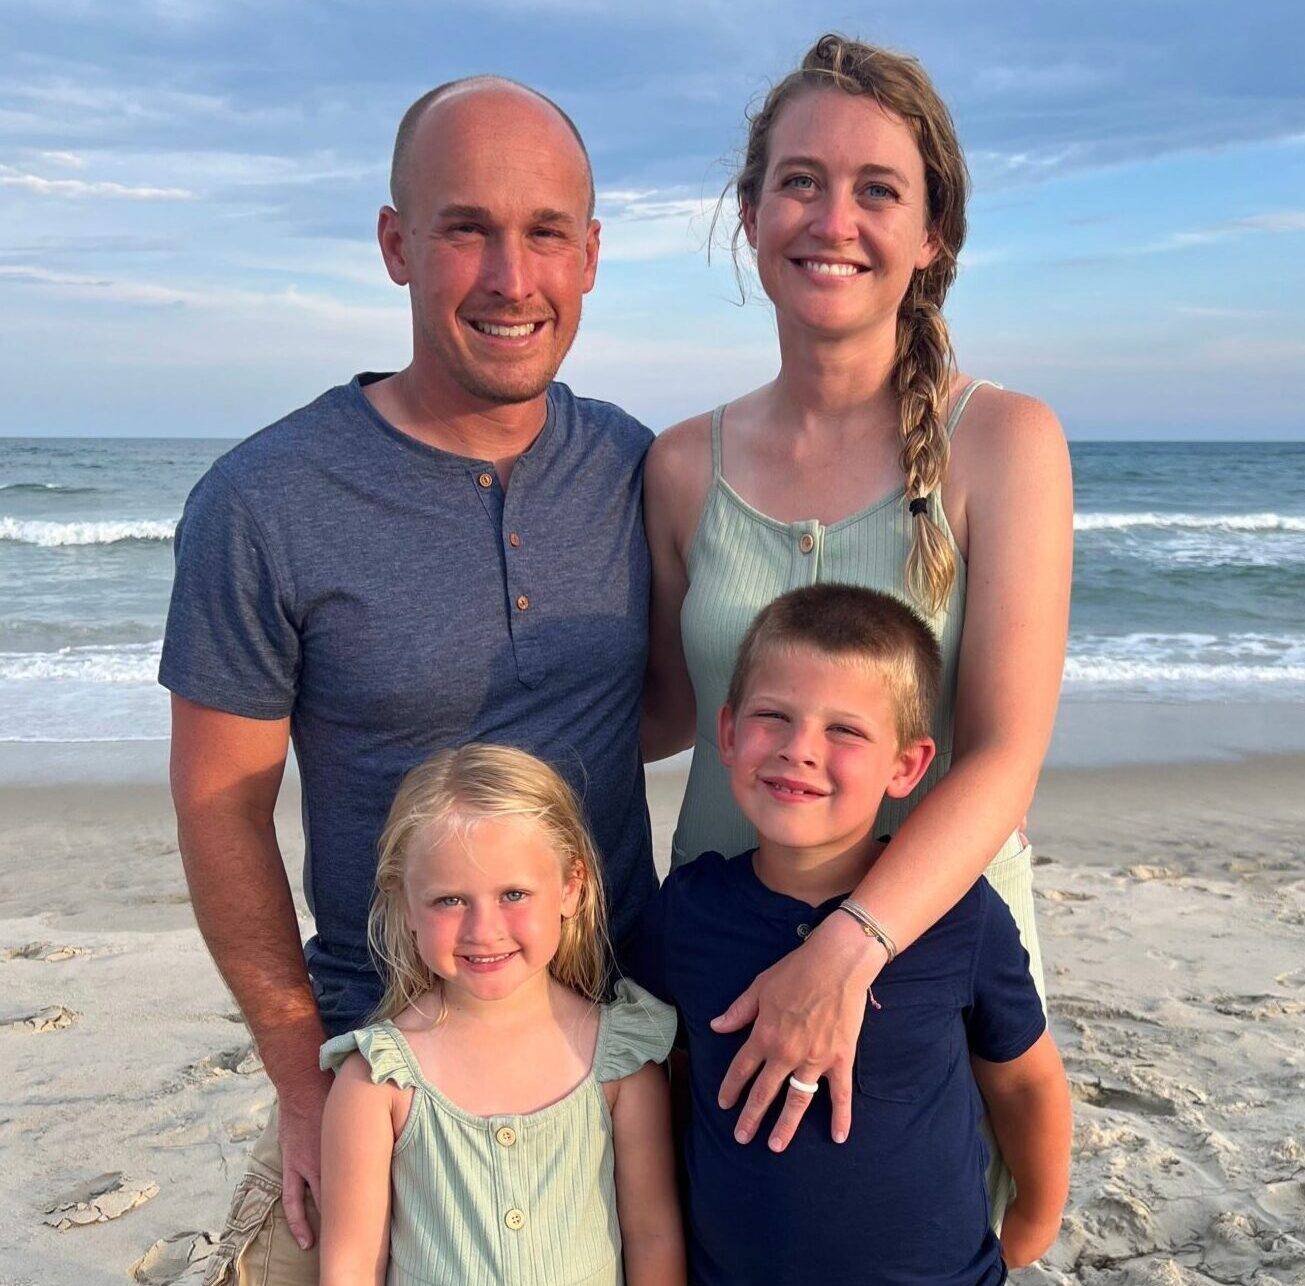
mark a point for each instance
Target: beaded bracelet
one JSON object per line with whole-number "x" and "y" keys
{"x": 869, "y": 926}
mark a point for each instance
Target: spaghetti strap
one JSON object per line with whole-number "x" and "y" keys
{"x": 963, "y": 401}
{"x": 717, "y": 420}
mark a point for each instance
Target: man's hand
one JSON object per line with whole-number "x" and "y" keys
{"x": 299, "y": 1126}
{"x": 806, "y": 1012}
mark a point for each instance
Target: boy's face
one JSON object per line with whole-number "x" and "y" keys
{"x": 812, "y": 750}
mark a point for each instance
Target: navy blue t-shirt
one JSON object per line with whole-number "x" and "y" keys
{"x": 393, "y": 599}
{"x": 903, "y": 1200}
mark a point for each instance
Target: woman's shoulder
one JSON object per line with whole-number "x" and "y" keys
{"x": 1004, "y": 436}
{"x": 677, "y": 479}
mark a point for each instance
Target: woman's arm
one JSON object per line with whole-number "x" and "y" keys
{"x": 1016, "y": 522}
{"x": 357, "y": 1148}
{"x": 646, "y": 1204}
{"x": 1028, "y": 1105}
{"x": 676, "y": 476}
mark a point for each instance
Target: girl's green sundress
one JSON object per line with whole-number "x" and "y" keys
{"x": 527, "y": 1199}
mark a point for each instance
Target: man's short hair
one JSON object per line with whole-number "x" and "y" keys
{"x": 399, "y": 163}
{"x": 850, "y": 622}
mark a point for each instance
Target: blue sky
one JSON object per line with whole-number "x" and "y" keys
{"x": 188, "y": 191}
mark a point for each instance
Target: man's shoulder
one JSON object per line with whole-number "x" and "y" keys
{"x": 604, "y": 421}
{"x": 290, "y": 442}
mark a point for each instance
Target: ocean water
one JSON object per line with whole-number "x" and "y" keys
{"x": 1189, "y": 581}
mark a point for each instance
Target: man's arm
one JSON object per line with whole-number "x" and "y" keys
{"x": 226, "y": 773}
{"x": 1028, "y": 1105}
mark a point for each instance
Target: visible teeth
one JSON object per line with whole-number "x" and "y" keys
{"x": 506, "y": 332}
{"x": 831, "y": 269}
{"x": 791, "y": 790}
{"x": 488, "y": 959}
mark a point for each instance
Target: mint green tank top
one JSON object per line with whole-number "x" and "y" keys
{"x": 528, "y": 1199}
{"x": 739, "y": 561}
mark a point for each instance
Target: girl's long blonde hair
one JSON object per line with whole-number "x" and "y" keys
{"x": 456, "y": 789}
{"x": 924, "y": 360}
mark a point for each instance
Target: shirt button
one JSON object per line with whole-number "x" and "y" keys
{"x": 514, "y": 540}
{"x": 807, "y": 543}
{"x": 506, "y": 1135}
{"x": 486, "y": 479}
{"x": 515, "y": 1219}
{"x": 522, "y": 602}
{"x": 804, "y": 931}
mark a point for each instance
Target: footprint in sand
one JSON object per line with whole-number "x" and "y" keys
{"x": 44, "y": 1018}
{"x": 174, "y": 1260}
{"x": 243, "y": 1060}
{"x": 1118, "y": 1098}
{"x": 1155, "y": 872}
{"x": 46, "y": 951}
{"x": 107, "y": 1196}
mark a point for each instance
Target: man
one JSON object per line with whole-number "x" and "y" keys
{"x": 451, "y": 553}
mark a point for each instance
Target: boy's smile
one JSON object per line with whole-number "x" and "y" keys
{"x": 811, "y": 751}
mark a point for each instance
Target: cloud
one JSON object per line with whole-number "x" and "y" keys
{"x": 640, "y": 224}
{"x": 71, "y": 159}
{"x": 1275, "y": 221}
{"x": 10, "y": 177}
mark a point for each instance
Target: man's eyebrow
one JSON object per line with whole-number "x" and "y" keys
{"x": 479, "y": 214}
{"x": 812, "y": 163}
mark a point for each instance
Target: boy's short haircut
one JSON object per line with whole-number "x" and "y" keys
{"x": 857, "y": 624}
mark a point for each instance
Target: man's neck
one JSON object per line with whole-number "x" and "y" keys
{"x": 456, "y": 421}
{"x": 814, "y": 876}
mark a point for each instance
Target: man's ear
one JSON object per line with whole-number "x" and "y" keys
{"x": 725, "y": 735}
{"x": 913, "y": 761}
{"x": 593, "y": 239}
{"x": 389, "y": 234}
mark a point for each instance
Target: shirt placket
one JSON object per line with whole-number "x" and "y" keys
{"x": 515, "y": 1217}
{"x": 807, "y": 544}
{"x": 506, "y": 511}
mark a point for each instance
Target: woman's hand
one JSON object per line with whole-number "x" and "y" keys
{"x": 806, "y": 1013}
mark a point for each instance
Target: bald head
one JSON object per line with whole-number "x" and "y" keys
{"x": 402, "y": 163}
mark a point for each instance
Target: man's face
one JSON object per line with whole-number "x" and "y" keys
{"x": 495, "y": 243}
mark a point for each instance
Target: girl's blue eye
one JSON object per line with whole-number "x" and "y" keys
{"x": 451, "y": 899}
{"x": 515, "y": 895}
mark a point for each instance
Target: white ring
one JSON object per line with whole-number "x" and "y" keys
{"x": 804, "y": 1087}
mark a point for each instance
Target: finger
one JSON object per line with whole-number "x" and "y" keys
{"x": 840, "y": 1095}
{"x": 796, "y": 1103}
{"x": 292, "y": 1201}
{"x": 768, "y": 1083}
{"x": 742, "y": 1012}
{"x": 741, "y": 1070}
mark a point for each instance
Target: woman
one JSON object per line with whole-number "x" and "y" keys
{"x": 844, "y": 468}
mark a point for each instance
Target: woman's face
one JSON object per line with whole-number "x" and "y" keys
{"x": 841, "y": 221}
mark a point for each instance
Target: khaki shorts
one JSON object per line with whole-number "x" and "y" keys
{"x": 256, "y": 1247}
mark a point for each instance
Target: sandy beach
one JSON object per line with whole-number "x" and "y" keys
{"x": 1172, "y": 905}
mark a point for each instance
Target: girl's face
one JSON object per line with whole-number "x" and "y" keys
{"x": 842, "y": 218}
{"x": 486, "y": 903}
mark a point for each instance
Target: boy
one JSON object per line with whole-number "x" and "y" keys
{"x": 828, "y": 711}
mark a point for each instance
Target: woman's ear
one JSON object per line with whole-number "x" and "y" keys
{"x": 748, "y": 218}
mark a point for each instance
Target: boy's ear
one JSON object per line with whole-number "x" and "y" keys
{"x": 913, "y": 761}
{"x": 725, "y": 735}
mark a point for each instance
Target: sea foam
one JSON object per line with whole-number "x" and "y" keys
{"x": 123, "y": 663}
{"x": 24, "y": 531}
{"x": 1189, "y": 522}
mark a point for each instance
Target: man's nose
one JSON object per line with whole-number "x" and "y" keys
{"x": 504, "y": 270}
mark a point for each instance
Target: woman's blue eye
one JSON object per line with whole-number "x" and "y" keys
{"x": 880, "y": 191}
{"x": 803, "y": 181}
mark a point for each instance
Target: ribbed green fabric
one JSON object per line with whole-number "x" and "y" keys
{"x": 530, "y": 1200}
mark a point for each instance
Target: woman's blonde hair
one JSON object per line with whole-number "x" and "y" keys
{"x": 452, "y": 791}
{"x": 924, "y": 359}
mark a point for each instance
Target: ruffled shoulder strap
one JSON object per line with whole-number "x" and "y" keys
{"x": 637, "y": 1028}
{"x": 379, "y": 1045}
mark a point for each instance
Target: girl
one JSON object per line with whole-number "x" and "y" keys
{"x": 497, "y": 1123}
{"x": 868, "y": 459}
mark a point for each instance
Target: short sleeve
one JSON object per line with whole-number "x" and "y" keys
{"x": 644, "y": 954}
{"x": 378, "y": 1045}
{"x": 229, "y": 643}
{"x": 1005, "y": 1016}
{"x": 637, "y": 1028}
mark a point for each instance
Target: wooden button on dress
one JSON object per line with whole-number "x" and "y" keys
{"x": 515, "y": 1219}
{"x": 506, "y": 1135}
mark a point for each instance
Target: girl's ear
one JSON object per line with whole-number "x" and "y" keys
{"x": 572, "y": 889}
